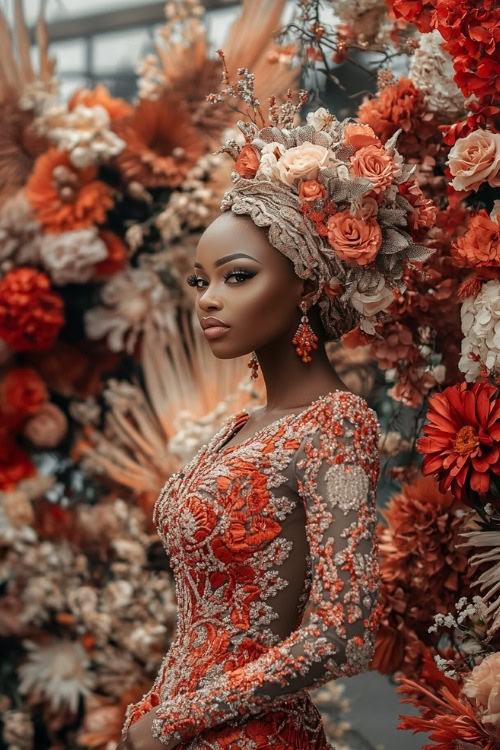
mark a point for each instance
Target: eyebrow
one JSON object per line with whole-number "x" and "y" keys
{"x": 227, "y": 258}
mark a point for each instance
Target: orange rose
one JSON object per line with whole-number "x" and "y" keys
{"x": 374, "y": 163}
{"x": 480, "y": 245}
{"x": 309, "y": 190}
{"x": 354, "y": 240}
{"x": 47, "y": 427}
{"x": 359, "y": 136}
{"x": 247, "y": 162}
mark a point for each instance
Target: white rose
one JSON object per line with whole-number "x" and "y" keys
{"x": 374, "y": 302}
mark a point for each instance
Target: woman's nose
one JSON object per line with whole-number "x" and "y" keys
{"x": 209, "y": 301}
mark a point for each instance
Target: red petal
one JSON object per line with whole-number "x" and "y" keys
{"x": 479, "y": 482}
{"x": 470, "y": 409}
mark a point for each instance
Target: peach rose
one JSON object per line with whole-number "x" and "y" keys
{"x": 374, "y": 163}
{"x": 247, "y": 162}
{"x": 480, "y": 245}
{"x": 48, "y": 427}
{"x": 483, "y": 686}
{"x": 373, "y": 301}
{"x": 475, "y": 159}
{"x": 303, "y": 162}
{"x": 310, "y": 190}
{"x": 359, "y": 136}
{"x": 354, "y": 240}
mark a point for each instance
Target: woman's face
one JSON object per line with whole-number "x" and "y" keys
{"x": 246, "y": 284}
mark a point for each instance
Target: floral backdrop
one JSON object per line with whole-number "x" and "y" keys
{"x": 107, "y": 387}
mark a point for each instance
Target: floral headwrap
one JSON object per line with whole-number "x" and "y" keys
{"x": 339, "y": 204}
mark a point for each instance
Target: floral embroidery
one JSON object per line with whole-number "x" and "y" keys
{"x": 273, "y": 548}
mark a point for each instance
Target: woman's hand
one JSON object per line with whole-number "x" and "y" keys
{"x": 139, "y": 736}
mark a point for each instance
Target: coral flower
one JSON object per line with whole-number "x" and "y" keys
{"x": 162, "y": 144}
{"x": 64, "y": 198}
{"x": 461, "y": 446}
{"x": 479, "y": 246}
{"x": 115, "y": 107}
{"x": 117, "y": 254}
{"x": 31, "y": 314}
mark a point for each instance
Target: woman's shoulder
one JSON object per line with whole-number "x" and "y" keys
{"x": 338, "y": 405}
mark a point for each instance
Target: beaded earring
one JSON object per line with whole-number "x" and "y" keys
{"x": 254, "y": 365}
{"x": 305, "y": 339}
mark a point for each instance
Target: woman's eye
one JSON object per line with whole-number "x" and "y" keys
{"x": 237, "y": 277}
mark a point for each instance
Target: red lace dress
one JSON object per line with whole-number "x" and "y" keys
{"x": 272, "y": 545}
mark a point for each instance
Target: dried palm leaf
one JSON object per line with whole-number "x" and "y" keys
{"x": 151, "y": 431}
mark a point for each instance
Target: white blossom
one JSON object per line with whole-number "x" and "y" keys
{"x": 431, "y": 70}
{"x": 481, "y": 329}
{"x": 70, "y": 257}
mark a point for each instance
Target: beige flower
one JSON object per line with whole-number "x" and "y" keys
{"x": 475, "y": 159}
{"x": 373, "y": 301}
{"x": 70, "y": 257}
{"x": 321, "y": 119}
{"x": 131, "y": 298}
{"x": 483, "y": 685}
{"x": 47, "y": 427}
{"x": 303, "y": 162}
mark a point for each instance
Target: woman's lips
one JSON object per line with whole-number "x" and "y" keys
{"x": 215, "y": 331}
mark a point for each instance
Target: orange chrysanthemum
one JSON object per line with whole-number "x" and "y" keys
{"x": 66, "y": 198}
{"x": 31, "y": 314}
{"x": 100, "y": 96}
{"x": 162, "y": 144}
{"x": 463, "y": 434}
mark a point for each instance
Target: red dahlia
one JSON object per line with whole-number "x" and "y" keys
{"x": 462, "y": 444}
{"x": 31, "y": 314}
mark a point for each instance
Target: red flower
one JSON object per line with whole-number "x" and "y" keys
{"x": 31, "y": 314}
{"x": 461, "y": 446}
{"x": 22, "y": 392}
{"x": 15, "y": 464}
{"x": 446, "y": 713}
{"x": 117, "y": 254}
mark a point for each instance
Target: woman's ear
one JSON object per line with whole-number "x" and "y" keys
{"x": 310, "y": 292}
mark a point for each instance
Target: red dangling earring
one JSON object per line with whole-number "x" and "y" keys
{"x": 305, "y": 339}
{"x": 254, "y": 365}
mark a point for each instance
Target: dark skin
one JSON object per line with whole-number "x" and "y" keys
{"x": 259, "y": 297}
{"x": 264, "y": 313}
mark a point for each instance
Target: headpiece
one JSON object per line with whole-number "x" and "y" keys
{"x": 333, "y": 198}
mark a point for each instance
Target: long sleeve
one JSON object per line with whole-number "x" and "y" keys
{"x": 336, "y": 474}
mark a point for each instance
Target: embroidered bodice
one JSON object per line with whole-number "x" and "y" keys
{"x": 273, "y": 549}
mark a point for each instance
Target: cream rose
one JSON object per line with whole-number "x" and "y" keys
{"x": 475, "y": 159}
{"x": 483, "y": 686}
{"x": 303, "y": 162}
{"x": 370, "y": 303}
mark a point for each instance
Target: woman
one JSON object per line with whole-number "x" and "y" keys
{"x": 270, "y": 528}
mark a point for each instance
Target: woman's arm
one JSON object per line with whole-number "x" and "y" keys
{"x": 337, "y": 473}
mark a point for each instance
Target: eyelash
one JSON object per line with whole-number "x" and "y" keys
{"x": 193, "y": 279}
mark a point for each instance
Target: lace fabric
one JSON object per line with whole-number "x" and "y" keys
{"x": 273, "y": 546}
